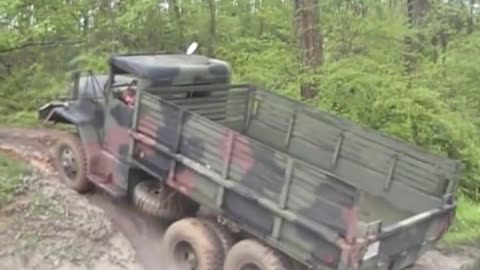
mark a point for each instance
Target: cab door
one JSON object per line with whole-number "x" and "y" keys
{"x": 111, "y": 167}
{"x": 118, "y": 121}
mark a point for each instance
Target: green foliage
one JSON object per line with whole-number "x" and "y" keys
{"x": 465, "y": 229}
{"x": 12, "y": 173}
{"x": 23, "y": 92}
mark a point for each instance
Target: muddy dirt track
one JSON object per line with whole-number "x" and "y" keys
{"x": 91, "y": 231}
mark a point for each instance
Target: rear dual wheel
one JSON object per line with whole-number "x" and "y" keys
{"x": 202, "y": 244}
{"x": 251, "y": 254}
{"x": 191, "y": 244}
{"x": 223, "y": 235}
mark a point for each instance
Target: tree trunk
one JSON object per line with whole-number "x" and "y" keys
{"x": 212, "y": 28}
{"x": 471, "y": 17}
{"x": 178, "y": 19}
{"x": 310, "y": 42}
{"x": 416, "y": 10}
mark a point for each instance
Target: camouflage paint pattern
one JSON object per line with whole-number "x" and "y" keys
{"x": 274, "y": 174}
{"x": 170, "y": 70}
{"x": 257, "y": 175}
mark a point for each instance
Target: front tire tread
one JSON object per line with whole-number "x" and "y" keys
{"x": 81, "y": 184}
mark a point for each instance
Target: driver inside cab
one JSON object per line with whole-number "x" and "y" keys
{"x": 128, "y": 95}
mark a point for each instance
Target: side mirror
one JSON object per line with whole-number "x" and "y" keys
{"x": 192, "y": 48}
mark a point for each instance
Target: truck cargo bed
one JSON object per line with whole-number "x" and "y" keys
{"x": 299, "y": 178}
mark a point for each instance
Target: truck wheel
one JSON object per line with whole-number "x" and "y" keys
{"x": 190, "y": 244}
{"x": 253, "y": 255}
{"x": 223, "y": 235}
{"x": 71, "y": 162}
{"x": 159, "y": 200}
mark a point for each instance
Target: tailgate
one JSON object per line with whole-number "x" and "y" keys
{"x": 401, "y": 244}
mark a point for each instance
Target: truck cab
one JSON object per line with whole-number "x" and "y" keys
{"x": 101, "y": 107}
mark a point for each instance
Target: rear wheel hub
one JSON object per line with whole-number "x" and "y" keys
{"x": 185, "y": 256}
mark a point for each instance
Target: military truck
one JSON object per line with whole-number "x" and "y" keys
{"x": 287, "y": 185}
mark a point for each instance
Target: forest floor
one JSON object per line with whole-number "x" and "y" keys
{"x": 44, "y": 225}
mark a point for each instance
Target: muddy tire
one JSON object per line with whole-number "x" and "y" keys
{"x": 159, "y": 200}
{"x": 224, "y": 236}
{"x": 250, "y": 252}
{"x": 71, "y": 162}
{"x": 190, "y": 244}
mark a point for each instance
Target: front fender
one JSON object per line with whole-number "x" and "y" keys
{"x": 52, "y": 112}
{"x": 86, "y": 115}
{"x": 78, "y": 112}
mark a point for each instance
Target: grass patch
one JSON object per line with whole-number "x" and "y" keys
{"x": 12, "y": 172}
{"x": 465, "y": 230}
{"x": 20, "y": 119}
{"x": 28, "y": 119}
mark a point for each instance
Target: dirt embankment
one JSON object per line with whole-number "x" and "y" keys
{"x": 51, "y": 227}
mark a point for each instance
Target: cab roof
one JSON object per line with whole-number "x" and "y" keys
{"x": 172, "y": 69}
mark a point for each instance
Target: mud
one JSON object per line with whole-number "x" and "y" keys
{"x": 93, "y": 231}
{"x": 49, "y": 227}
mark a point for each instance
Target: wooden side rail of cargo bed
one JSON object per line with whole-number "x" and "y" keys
{"x": 223, "y": 183}
{"x": 381, "y": 165}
